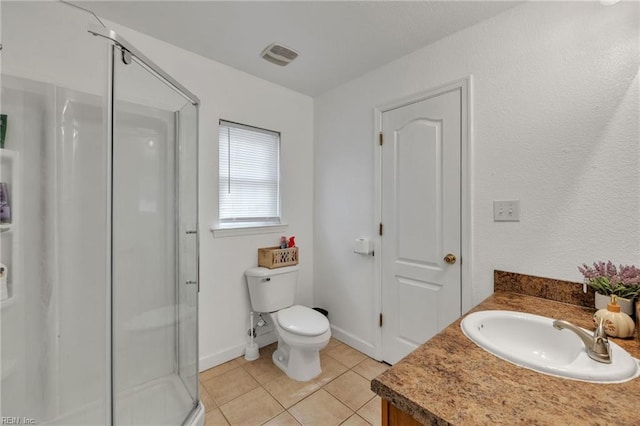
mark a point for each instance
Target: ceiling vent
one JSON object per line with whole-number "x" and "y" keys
{"x": 279, "y": 54}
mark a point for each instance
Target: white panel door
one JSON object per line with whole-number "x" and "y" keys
{"x": 421, "y": 291}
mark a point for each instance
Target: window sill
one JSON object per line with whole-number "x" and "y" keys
{"x": 220, "y": 232}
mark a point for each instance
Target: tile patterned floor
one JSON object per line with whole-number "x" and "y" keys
{"x": 245, "y": 393}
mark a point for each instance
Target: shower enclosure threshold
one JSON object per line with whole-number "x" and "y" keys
{"x": 159, "y": 397}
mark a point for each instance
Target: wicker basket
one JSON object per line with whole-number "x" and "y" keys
{"x": 275, "y": 257}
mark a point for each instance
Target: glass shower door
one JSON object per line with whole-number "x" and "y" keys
{"x": 154, "y": 248}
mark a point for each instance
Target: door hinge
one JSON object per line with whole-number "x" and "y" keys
{"x": 381, "y": 139}
{"x": 380, "y": 320}
{"x": 380, "y": 229}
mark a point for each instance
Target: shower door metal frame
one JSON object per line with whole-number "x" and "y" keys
{"x": 127, "y": 50}
{"x": 170, "y": 81}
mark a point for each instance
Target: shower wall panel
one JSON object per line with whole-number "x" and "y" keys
{"x": 143, "y": 245}
{"x": 79, "y": 205}
{"x": 55, "y": 333}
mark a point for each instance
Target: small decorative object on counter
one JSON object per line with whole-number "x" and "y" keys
{"x": 616, "y": 323}
{"x": 607, "y": 280}
{"x": 292, "y": 241}
{"x": 283, "y": 242}
{"x": 5, "y": 207}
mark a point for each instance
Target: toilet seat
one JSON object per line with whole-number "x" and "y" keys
{"x": 302, "y": 321}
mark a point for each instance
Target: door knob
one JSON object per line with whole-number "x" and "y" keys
{"x": 450, "y": 258}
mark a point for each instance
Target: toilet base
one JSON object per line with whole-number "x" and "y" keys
{"x": 298, "y": 364}
{"x": 299, "y": 356}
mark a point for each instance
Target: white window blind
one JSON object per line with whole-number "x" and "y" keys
{"x": 249, "y": 175}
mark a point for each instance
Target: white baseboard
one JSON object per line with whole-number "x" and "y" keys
{"x": 220, "y": 357}
{"x": 353, "y": 341}
{"x": 217, "y": 358}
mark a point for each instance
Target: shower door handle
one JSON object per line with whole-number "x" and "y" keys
{"x": 196, "y": 283}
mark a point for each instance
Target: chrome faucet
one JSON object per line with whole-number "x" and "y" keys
{"x": 597, "y": 345}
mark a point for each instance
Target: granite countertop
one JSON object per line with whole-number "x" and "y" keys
{"x": 450, "y": 380}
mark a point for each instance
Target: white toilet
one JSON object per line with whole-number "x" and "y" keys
{"x": 301, "y": 331}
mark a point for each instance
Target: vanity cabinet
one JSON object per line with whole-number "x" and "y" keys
{"x": 393, "y": 416}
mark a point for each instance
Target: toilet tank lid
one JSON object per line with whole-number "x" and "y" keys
{"x": 266, "y": 272}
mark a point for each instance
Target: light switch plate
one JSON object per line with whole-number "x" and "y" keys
{"x": 506, "y": 211}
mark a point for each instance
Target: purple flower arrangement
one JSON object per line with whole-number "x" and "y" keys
{"x": 605, "y": 278}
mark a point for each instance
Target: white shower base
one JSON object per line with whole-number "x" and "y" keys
{"x": 154, "y": 403}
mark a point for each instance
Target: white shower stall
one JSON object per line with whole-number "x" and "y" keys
{"x": 100, "y": 251}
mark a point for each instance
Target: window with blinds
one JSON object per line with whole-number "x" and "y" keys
{"x": 249, "y": 175}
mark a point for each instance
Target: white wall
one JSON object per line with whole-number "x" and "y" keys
{"x": 234, "y": 95}
{"x": 555, "y": 125}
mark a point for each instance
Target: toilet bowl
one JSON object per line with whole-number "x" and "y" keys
{"x": 302, "y": 332}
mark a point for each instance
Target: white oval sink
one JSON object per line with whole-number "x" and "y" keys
{"x": 532, "y": 342}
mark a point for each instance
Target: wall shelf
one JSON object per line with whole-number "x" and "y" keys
{"x": 9, "y": 232}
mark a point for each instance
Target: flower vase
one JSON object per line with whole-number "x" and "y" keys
{"x": 626, "y": 305}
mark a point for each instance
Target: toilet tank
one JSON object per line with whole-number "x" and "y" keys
{"x": 272, "y": 289}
